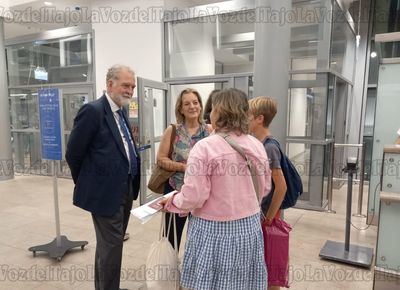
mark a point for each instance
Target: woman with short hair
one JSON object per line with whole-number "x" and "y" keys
{"x": 224, "y": 247}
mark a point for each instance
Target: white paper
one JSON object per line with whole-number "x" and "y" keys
{"x": 147, "y": 211}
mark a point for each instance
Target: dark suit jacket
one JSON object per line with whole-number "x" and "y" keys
{"x": 97, "y": 159}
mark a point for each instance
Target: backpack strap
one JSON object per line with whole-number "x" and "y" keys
{"x": 271, "y": 140}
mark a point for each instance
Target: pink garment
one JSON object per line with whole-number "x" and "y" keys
{"x": 217, "y": 184}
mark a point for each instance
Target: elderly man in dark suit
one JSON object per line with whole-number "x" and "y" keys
{"x": 105, "y": 167}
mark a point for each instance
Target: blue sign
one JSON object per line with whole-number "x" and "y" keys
{"x": 50, "y": 123}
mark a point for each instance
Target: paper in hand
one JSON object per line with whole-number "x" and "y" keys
{"x": 145, "y": 212}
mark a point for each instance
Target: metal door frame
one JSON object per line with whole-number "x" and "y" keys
{"x": 235, "y": 80}
{"x": 147, "y": 142}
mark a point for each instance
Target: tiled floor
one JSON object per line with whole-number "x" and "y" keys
{"x": 27, "y": 219}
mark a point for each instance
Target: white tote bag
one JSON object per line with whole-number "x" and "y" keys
{"x": 162, "y": 271}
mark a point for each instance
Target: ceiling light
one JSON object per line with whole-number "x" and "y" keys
{"x": 373, "y": 54}
{"x": 48, "y": 3}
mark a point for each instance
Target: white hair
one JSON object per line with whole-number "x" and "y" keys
{"x": 114, "y": 71}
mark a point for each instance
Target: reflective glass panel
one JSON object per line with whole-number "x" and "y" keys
{"x": 310, "y": 35}
{"x": 72, "y": 102}
{"x": 343, "y": 44}
{"x": 27, "y": 153}
{"x": 159, "y": 111}
{"x": 24, "y": 109}
{"x": 63, "y": 60}
{"x": 210, "y": 45}
{"x": 308, "y": 106}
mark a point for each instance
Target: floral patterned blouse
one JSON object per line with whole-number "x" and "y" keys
{"x": 182, "y": 145}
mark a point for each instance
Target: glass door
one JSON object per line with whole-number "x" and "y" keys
{"x": 150, "y": 110}
{"x": 73, "y": 98}
{"x": 154, "y": 109}
{"x": 309, "y": 138}
{"x": 206, "y": 84}
{"x": 25, "y": 134}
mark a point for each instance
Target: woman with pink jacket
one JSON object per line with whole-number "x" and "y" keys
{"x": 224, "y": 247}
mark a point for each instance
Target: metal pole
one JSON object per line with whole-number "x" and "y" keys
{"x": 361, "y": 184}
{"x": 332, "y": 171}
{"x": 330, "y": 178}
{"x": 57, "y": 211}
{"x": 348, "y": 210}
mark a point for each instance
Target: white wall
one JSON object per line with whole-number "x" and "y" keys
{"x": 4, "y": 4}
{"x": 135, "y": 44}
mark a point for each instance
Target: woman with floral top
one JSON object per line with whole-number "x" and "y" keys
{"x": 190, "y": 128}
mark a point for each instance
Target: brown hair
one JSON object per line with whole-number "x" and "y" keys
{"x": 208, "y": 106}
{"x": 264, "y": 106}
{"x": 180, "y": 118}
{"x": 232, "y": 107}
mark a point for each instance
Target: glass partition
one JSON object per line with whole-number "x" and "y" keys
{"x": 24, "y": 109}
{"x": 72, "y": 102}
{"x": 390, "y": 49}
{"x": 63, "y": 60}
{"x": 26, "y": 152}
{"x": 316, "y": 117}
{"x": 310, "y": 35}
{"x": 313, "y": 165}
{"x": 217, "y": 44}
{"x": 307, "y": 106}
{"x": 343, "y": 44}
{"x": 329, "y": 133}
{"x": 224, "y": 43}
{"x": 65, "y": 63}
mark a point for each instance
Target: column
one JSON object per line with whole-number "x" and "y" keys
{"x": 271, "y": 60}
{"x": 6, "y": 162}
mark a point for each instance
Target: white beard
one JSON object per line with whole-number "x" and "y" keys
{"x": 123, "y": 101}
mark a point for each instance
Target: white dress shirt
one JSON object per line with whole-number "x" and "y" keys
{"x": 114, "y": 109}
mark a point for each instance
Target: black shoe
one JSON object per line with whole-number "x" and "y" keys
{"x": 126, "y": 236}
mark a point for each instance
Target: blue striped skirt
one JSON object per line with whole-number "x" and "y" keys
{"x": 224, "y": 255}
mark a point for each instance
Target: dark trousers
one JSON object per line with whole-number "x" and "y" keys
{"x": 110, "y": 231}
{"x": 179, "y": 222}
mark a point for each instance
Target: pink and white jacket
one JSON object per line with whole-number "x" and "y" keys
{"x": 218, "y": 184}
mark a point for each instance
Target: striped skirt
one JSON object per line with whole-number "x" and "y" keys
{"x": 224, "y": 255}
